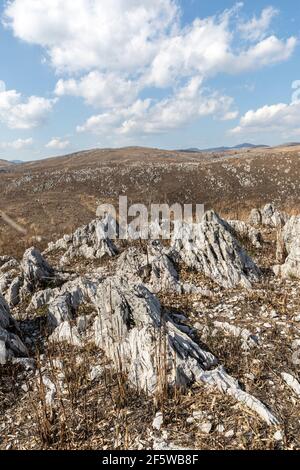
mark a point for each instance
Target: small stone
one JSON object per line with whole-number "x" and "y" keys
{"x": 96, "y": 373}
{"x": 278, "y": 436}
{"x": 158, "y": 421}
{"x": 198, "y": 415}
{"x": 220, "y": 428}
{"x": 229, "y": 433}
{"x": 250, "y": 376}
{"x": 205, "y": 427}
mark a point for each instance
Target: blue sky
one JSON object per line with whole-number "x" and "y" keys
{"x": 167, "y": 73}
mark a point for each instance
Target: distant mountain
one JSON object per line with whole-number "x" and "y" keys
{"x": 224, "y": 149}
{"x": 6, "y": 163}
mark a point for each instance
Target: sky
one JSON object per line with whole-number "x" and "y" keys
{"x": 79, "y": 74}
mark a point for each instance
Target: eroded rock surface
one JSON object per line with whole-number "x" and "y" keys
{"x": 268, "y": 216}
{"x": 213, "y": 250}
{"x": 289, "y": 244}
{"x": 120, "y": 313}
{"x": 10, "y": 342}
{"x": 246, "y": 232}
{"x": 90, "y": 241}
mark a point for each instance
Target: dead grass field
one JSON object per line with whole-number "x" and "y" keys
{"x": 50, "y": 197}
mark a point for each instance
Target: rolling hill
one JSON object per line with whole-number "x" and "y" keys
{"x": 50, "y": 197}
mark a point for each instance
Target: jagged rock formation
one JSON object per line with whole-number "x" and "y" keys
{"x": 36, "y": 272}
{"x": 9, "y": 269}
{"x": 268, "y": 216}
{"x": 289, "y": 243}
{"x": 10, "y": 343}
{"x": 131, "y": 327}
{"x": 90, "y": 241}
{"x": 155, "y": 269}
{"x": 244, "y": 231}
{"x": 213, "y": 250}
{"x": 25, "y": 278}
{"x": 120, "y": 313}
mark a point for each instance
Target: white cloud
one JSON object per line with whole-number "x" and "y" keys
{"x": 256, "y": 29}
{"x": 281, "y": 119}
{"x": 57, "y": 143}
{"x": 111, "y": 52}
{"x": 17, "y": 112}
{"x": 205, "y": 49}
{"x": 87, "y": 34}
{"x": 150, "y": 117}
{"x": 230, "y": 115}
{"x": 100, "y": 89}
{"x": 129, "y": 36}
{"x": 17, "y": 144}
{"x": 266, "y": 52}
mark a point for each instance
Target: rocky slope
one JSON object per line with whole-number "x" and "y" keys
{"x": 118, "y": 344}
{"x": 52, "y": 197}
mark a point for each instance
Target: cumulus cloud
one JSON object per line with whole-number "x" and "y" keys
{"x": 17, "y": 144}
{"x": 17, "y": 112}
{"x": 282, "y": 119}
{"x": 100, "y": 89}
{"x": 129, "y": 36}
{"x": 151, "y": 117}
{"x": 257, "y": 28}
{"x": 58, "y": 144}
{"x": 112, "y": 53}
{"x": 207, "y": 47}
{"x": 86, "y": 34}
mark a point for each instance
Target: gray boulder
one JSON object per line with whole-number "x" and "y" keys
{"x": 10, "y": 343}
{"x": 289, "y": 243}
{"x": 90, "y": 241}
{"x": 268, "y": 216}
{"x": 211, "y": 248}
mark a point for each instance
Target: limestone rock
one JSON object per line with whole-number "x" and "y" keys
{"x": 290, "y": 240}
{"x": 291, "y": 382}
{"x": 212, "y": 249}
{"x": 9, "y": 269}
{"x": 10, "y": 343}
{"x": 226, "y": 384}
{"x": 90, "y": 241}
{"x": 268, "y": 216}
{"x": 34, "y": 274}
{"x": 132, "y": 327}
{"x": 37, "y": 273}
{"x": 154, "y": 269}
{"x": 13, "y": 293}
{"x": 158, "y": 421}
{"x": 243, "y": 230}
{"x": 66, "y": 333}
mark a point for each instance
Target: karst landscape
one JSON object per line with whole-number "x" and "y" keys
{"x": 190, "y": 343}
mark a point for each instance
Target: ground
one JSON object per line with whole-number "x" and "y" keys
{"x": 106, "y": 413}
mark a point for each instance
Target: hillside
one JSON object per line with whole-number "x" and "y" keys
{"x": 5, "y": 163}
{"x": 123, "y": 345}
{"x": 50, "y": 197}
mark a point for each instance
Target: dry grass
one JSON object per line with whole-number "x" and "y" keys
{"x": 51, "y": 197}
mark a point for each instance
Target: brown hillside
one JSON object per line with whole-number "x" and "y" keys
{"x": 52, "y": 196}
